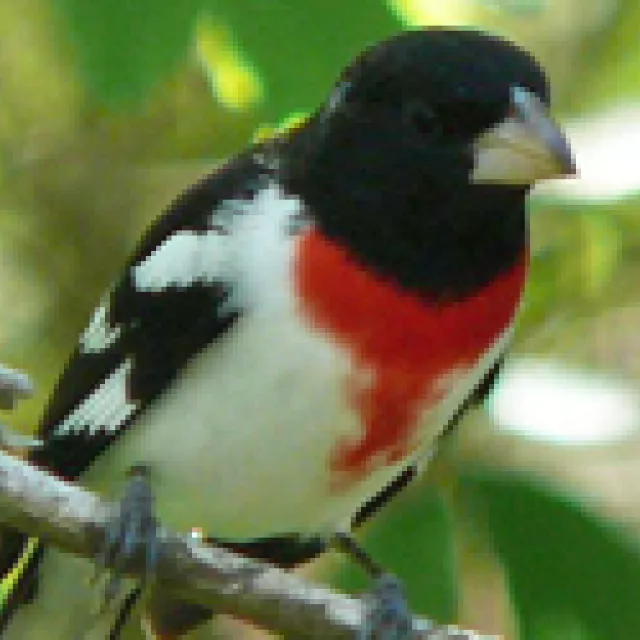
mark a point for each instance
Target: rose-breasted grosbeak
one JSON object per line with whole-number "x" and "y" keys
{"x": 298, "y": 328}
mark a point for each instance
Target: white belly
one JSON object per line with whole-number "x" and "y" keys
{"x": 251, "y": 429}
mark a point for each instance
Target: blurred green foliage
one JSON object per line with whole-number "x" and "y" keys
{"x": 562, "y": 564}
{"x": 110, "y": 107}
{"x": 146, "y": 40}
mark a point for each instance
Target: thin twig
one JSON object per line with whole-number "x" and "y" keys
{"x": 74, "y": 519}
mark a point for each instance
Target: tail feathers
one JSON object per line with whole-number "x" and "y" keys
{"x": 20, "y": 556}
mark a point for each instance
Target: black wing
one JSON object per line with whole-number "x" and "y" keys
{"x": 144, "y": 335}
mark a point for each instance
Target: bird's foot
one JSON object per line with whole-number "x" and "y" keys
{"x": 388, "y": 616}
{"x": 387, "y": 613}
{"x": 132, "y": 527}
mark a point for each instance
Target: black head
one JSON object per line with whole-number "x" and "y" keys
{"x": 439, "y": 86}
{"x": 421, "y": 158}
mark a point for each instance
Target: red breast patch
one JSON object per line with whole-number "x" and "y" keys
{"x": 400, "y": 345}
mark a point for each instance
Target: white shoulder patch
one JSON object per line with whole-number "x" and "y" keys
{"x": 105, "y": 409}
{"x": 253, "y": 249}
{"x": 249, "y": 244}
{"x": 184, "y": 258}
{"x": 263, "y": 238}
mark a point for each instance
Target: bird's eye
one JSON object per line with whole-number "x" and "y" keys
{"x": 421, "y": 117}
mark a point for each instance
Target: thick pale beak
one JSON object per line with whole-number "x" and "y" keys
{"x": 525, "y": 147}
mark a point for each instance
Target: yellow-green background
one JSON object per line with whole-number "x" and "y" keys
{"x": 109, "y": 107}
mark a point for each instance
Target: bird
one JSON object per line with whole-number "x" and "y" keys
{"x": 290, "y": 339}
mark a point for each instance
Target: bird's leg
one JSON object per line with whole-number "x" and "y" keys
{"x": 133, "y": 526}
{"x": 388, "y": 616}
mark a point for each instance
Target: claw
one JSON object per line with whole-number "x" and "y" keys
{"x": 134, "y": 525}
{"x": 388, "y": 616}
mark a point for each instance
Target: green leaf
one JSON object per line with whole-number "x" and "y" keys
{"x": 412, "y": 538}
{"x": 125, "y": 47}
{"x": 300, "y": 47}
{"x": 563, "y": 563}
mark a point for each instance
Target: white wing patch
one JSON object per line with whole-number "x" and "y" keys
{"x": 105, "y": 409}
{"x": 254, "y": 246}
{"x": 263, "y": 244}
{"x": 100, "y": 334}
{"x": 183, "y": 259}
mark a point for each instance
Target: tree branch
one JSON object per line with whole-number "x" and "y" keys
{"x": 74, "y": 520}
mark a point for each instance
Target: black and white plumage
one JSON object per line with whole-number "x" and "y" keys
{"x": 301, "y": 325}
{"x": 166, "y": 325}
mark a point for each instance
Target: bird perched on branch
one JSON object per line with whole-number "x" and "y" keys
{"x": 292, "y": 336}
